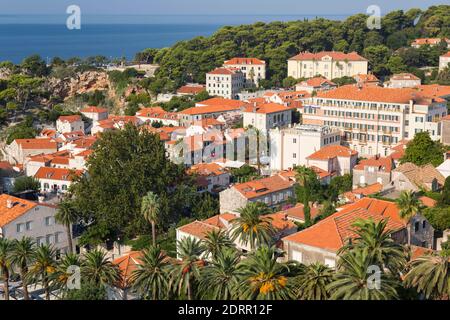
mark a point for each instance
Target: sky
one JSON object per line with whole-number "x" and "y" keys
{"x": 209, "y": 7}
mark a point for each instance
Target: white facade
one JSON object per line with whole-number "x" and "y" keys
{"x": 225, "y": 82}
{"x": 289, "y": 147}
{"x": 264, "y": 121}
{"x": 63, "y": 126}
{"x": 253, "y": 69}
{"x": 38, "y": 223}
{"x": 373, "y": 127}
{"x": 444, "y": 61}
{"x": 327, "y": 64}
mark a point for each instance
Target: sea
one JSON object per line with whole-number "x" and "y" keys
{"x": 113, "y": 36}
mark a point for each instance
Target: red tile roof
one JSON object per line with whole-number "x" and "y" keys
{"x": 404, "y": 76}
{"x": 331, "y": 232}
{"x": 317, "y": 82}
{"x": 358, "y": 193}
{"x": 37, "y": 143}
{"x": 72, "y": 118}
{"x": 366, "y": 77}
{"x": 432, "y": 41}
{"x": 332, "y": 151}
{"x": 378, "y": 94}
{"x": 127, "y": 264}
{"x": 57, "y": 174}
{"x": 94, "y": 110}
{"x": 446, "y": 55}
{"x": 335, "y": 55}
{"x": 298, "y": 212}
{"x": 191, "y": 89}
{"x": 224, "y": 71}
{"x": 19, "y": 208}
{"x": 236, "y": 61}
{"x": 207, "y": 169}
{"x": 260, "y": 187}
{"x": 427, "y": 201}
{"x": 267, "y": 108}
{"x": 382, "y": 163}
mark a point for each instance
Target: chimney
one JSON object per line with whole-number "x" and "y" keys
{"x": 9, "y": 204}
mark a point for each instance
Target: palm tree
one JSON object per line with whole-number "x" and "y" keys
{"x": 5, "y": 264}
{"x": 430, "y": 275}
{"x": 379, "y": 243}
{"x": 304, "y": 176}
{"x": 150, "y": 278}
{"x": 98, "y": 269}
{"x": 43, "y": 268}
{"x": 353, "y": 281}
{"x": 264, "y": 278}
{"x": 184, "y": 276}
{"x": 220, "y": 279}
{"x": 67, "y": 216}
{"x": 63, "y": 270}
{"x": 409, "y": 206}
{"x": 215, "y": 241}
{"x": 312, "y": 283}
{"x": 150, "y": 209}
{"x": 22, "y": 256}
{"x": 251, "y": 228}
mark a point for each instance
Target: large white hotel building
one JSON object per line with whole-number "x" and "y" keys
{"x": 373, "y": 119}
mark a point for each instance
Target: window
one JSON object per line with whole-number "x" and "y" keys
{"x": 294, "y": 155}
{"x": 39, "y": 241}
{"x": 49, "y": 221}
{"x": 29, "y": 225}
{"x": 294, "y": 140}
{"x": 20, "y": 227}
{"x": 330, "y": 262}
{"x": 297, "y": 256}
{"x": 424, "y": 224}
{"x": 50, "y": 239}
{"x": 416, "y": 226}
{"x": 58, "y": 237}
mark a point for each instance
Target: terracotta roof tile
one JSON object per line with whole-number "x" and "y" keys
{"x": 72, "y": 118}
{"x": 19, "y": 207}
{"x": 94, "y": 110}
{"x": 60, "y": 174}
{"x": 250, "y": 61}
{"x": 332, "y": 151}
{"x": 260, "y": 187}
{"x": 37, "y": 143}
{"x": 335, "y": 55}
{"x": 384, "y": 164}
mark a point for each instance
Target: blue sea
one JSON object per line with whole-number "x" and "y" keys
{"x": 110, "y": 36}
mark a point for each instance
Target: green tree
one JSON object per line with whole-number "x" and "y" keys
{"x": 150, "y": 210}
{"x": 352, "y": 280}
{"x": 184, "y": 276}
{"x": 26, "y": 183}
{"x": 113, "y": 205}
{"x": 6, "y": 247}
{"x": 430, "y": 275}
{"x": 312, "y": 283}
{"x": 98, "y": 269}
{"x": 409, "y": 206}
{"x": 66, "y": 215}
{"x": 150, "y": 279}
{"x": 22, "y": 257}
{"x": 215, "y": 241}
{"x": 264, "y": 278}
{"x": 374, "y": 237}
{"x": 34, "y": 66}
{"x": 43, "y": 268}
{"x": 64, "y": 272}
{"x": 250, "y": 228}
{"x": 220, "y": 279}
{"x": 395, "y": 65}
{"x": 438, "y": 217}
{"x": 422, "y": 150}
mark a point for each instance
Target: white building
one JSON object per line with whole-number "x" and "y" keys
{"x": 373, "y": 119}
{"x": 56, "y": 180}
{"x": 225, "y": 82}
{"x": 329, "y": 64}
{"x": 444, "y": 61}
{"x": 267, "y": 116}
{"x": 335, "y": 159}
{"x": 95, "y": 113}
{"x": 253, "y": 69}
{"x": 21, "y": 218}
{"x": 18, "y": 150}
{"x": 158, "y": 114}
{"x": 404, "y": 80}
{"x": 315, "y": 84}
{"x": 290, "y": 147}
{"x": 69, "y": 123}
